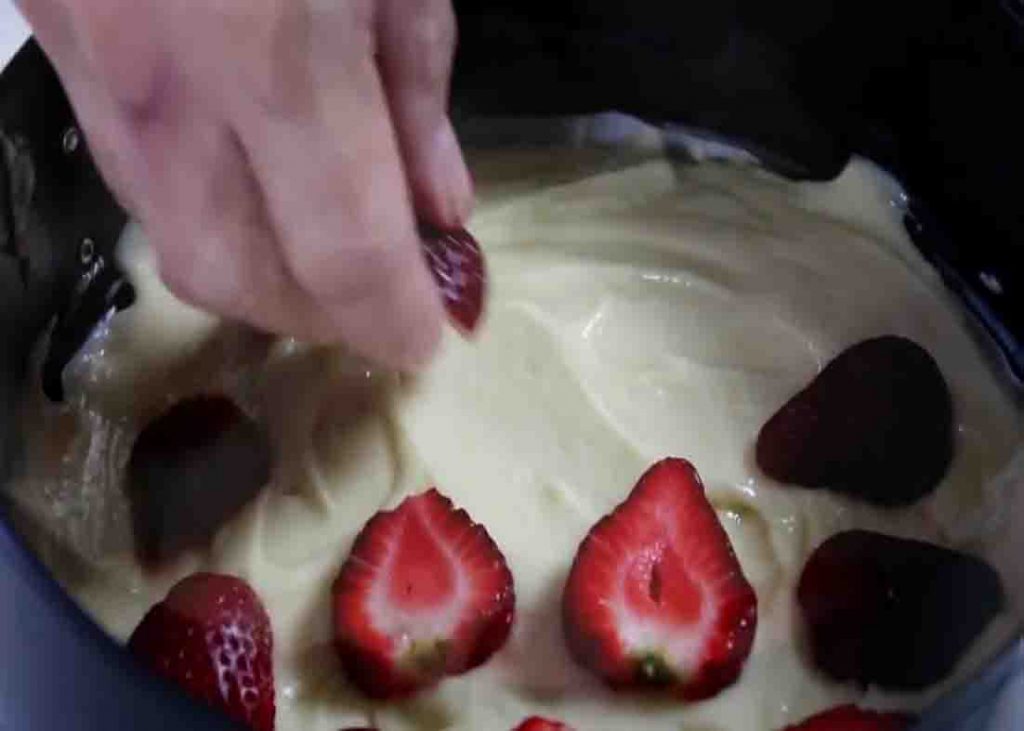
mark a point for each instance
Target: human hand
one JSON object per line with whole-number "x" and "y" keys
{"x": 277, "y": 152}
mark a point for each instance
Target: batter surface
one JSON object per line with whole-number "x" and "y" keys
{"x": 639, "y": 308}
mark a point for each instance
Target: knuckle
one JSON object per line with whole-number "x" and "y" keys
{"x": 122, "y": 46}
{"x": 279, "y": 72}
{"x": 349, "y": 276}
{"x": 260, "y": 48}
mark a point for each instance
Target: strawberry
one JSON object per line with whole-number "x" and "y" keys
{"x": 655, "y": 596}
{"x": 212, "y": 637}
{"x": 876, "y": 424}
{"x": 892, "y": 612}
{"x": 424, "y": 593}
{"x": 536, "y": 723}
{"x": 203, "y": 451}
{"x": 851, "y": 718}
{"x": 457, "y": 263}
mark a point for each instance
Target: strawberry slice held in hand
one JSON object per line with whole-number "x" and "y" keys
{"x": 851, "y": 718}
{"x": 424, "y": 593}
{"x": 212, "y": 637}
{"x": 457, "y": 263}
{"x": 656, "y": 597}
{"x": 536, "y": 723}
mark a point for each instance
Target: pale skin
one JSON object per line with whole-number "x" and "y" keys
{"x": 279, "y": 153}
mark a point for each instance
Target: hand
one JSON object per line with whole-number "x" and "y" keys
{"x": 277, "y": 152}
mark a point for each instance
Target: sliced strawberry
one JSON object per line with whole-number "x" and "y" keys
{"x": 892, "y": 612}
{"x": 191, "y": 470}
{"x": 851, "y": 718}
{"x": 656, "y": 596}
{"x": 457, "y": 263}
{"x": 424, "y": 593}
{"x": 876, "y": 423}
{"x": 536, "y": 723}
{"x": 212, "y": 637}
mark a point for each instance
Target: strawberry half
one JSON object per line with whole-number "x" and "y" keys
{"x": 875, "y": 424}
{"x": 203, "y": 451}
{"x": 656, "y": 596}
{"x": 212, "y": 636}
{"x": 893, "y": 612}
{"x": 851, "y": 718}
{"x": 424, "y": 593}
{"x": 457, "y": 263}
{"x": 536, "y": 723}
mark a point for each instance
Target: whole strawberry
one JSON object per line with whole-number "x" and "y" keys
{"x": 424, "y": 593}
{"x": 212, "y": 637}
{"x": 656, "y": 597}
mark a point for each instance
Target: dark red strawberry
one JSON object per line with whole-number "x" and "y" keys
{"x": 656, "y": 596}
{"x": 851, "y": 718}
{"x": 457, "y": 263}
{"x": 212, "y": 637}
{"x": 876, "y": 423}
{"x": 424, "y": 593}
{"x": 536, "y": 723}
{"x": 192, "y": 469}
{"x": 893, "y": 612}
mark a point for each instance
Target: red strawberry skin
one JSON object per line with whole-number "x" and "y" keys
{"x": 212, "y": 637}
{"x": 875, "y": 424}
{"x": 204, "y": 451}
{"x": 656, "y": 596}
{"x": 851, "y": 718}
{"x": 536, "y": 723}
{"x": 457, "y": 263}
{"x": 887, "y": 611}
{"x": 424, "y": 593}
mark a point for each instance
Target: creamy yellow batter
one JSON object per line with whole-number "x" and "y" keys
{"x": 638, "y": 309}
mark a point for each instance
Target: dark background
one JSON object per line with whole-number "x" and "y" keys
{"x": 932, "y": 89}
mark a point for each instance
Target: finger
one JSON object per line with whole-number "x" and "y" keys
{"x": 51, "y": 25}
{"x": 82, "y": 46}
{"x": 328, "y": 166}
{"x": 182, "y": 168}
{"x": 417, "y": 42}
{"x": 215, "y": 245}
